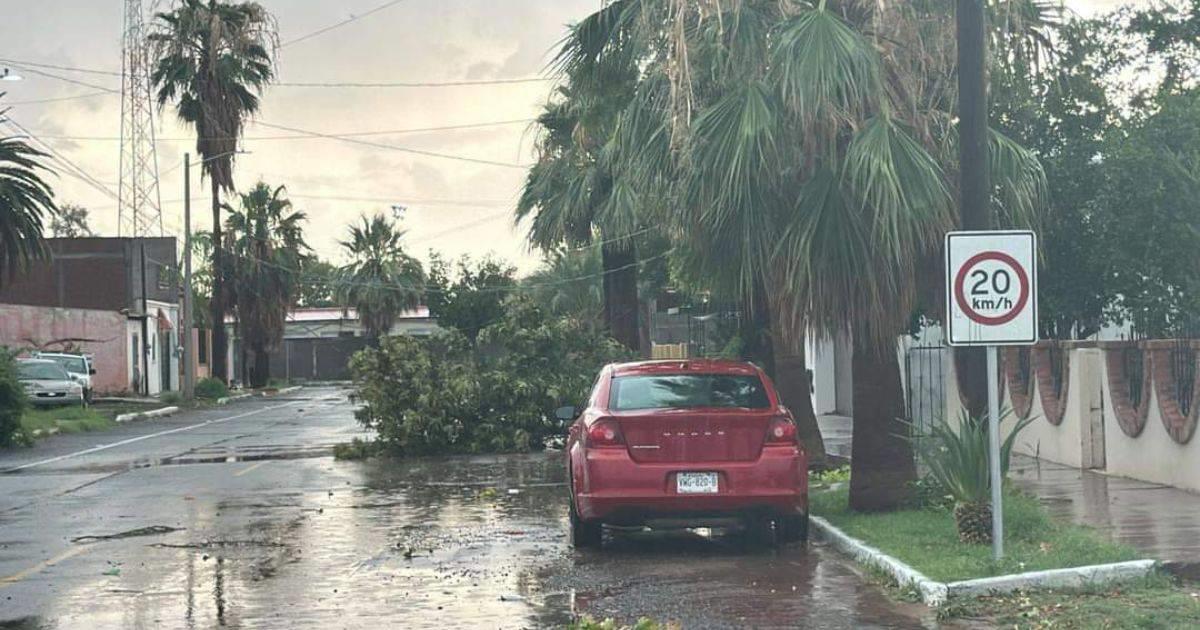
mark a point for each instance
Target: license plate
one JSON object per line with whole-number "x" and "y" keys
{"x": 696, "y": 483}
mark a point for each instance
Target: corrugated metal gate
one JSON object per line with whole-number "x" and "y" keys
{"x": 325, "y": 359}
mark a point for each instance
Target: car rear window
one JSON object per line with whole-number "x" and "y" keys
{"x": 47, "y": 371}
{"x": 671, "y": 391}
{"x": 72, "y": 364}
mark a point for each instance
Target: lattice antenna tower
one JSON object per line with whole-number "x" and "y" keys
{"x": 139, "y": 203}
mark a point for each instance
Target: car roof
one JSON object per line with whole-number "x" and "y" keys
{"x": 38, "y": 362}
{"x": 685, "y": 366}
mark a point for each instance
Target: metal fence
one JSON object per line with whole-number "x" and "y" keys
{"x": 1183, "y": 369}
{"x": 705, "y": 333}
{"x": 925, "y": 384}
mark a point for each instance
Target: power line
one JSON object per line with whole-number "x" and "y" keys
{"x": 30, "y": 65}
{"x": 72, "y": 168}
{"x": 35, "y": 64}
{"x": 418, "y": 201}
{"x": 316, "y": 280}
{"x": 322, "y": 31}
{"x": 61, "y": 78}
{"x": 380, "y": 145}
{"x": 421, "y": 84}
{"x": 352, "y": 134}
{"x": 62, "y": 98}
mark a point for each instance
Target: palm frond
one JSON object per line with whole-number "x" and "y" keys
{"x": 1019, "y": 181}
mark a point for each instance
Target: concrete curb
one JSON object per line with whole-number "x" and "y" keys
{"x": 936, "y": 593}
{"x": 1055, "y": 578}
{"x": 932, "y": 593}
{"x": 282, "y": 392}
{"x": 145, "y": 415}
{"x": 228, "y": 399}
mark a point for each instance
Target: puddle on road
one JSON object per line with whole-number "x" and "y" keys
{"x": 442, "y": 543}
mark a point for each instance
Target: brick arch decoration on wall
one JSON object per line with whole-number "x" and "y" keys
{"x": 1052, "y": 368}
{"x": 1131, "y": 410}
{"x": 1018, "y": 372}
{"x": 1179, "y": 426}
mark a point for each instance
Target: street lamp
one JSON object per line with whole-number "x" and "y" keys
{"x": 7, "y": 75}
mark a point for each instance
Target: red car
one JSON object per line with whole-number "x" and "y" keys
{"x": 691, "y": 443}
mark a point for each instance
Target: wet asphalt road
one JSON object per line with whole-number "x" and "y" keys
{"x": 240, "y": 517}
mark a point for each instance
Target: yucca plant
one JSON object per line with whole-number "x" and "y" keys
{"x": 958, "y": 460}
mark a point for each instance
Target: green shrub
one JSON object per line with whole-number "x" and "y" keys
{"x": 211, "y": 388}
{"x": 12, "y": 401}
{"x": 958, "y": 457}
{"x": 445, "y": 394}
{"x": 170, "y": 398}
{"x": 355, "y": 450}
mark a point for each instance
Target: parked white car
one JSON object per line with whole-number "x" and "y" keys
{"x": 48, "y": 384}
{"x": 79, "y": 366}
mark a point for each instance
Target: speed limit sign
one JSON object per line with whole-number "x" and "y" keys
{"x": 991, "y": 288}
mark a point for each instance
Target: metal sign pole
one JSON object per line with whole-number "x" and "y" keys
{"x": 993, "y": 376}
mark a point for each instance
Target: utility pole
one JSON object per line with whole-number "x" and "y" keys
{"x": 975, "y": 209}
{"x": 189, "y": 343}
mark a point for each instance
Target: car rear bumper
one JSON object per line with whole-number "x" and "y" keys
{"x": 618, "y": 490}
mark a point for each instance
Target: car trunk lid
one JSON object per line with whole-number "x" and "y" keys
{"x": 694, "y": 435}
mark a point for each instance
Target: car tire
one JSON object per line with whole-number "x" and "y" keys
{"x": 584, "y": 534}
{"x": 795, "y": 528}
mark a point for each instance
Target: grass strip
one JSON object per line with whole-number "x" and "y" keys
{"x": 66, "y": 420}
{"x": 926, "y": 539}
{"x": 1156, "y": 602}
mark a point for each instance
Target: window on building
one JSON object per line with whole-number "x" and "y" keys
{"x": 202, "y": 347}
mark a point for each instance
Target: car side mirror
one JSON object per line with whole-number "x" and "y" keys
{"x": 92, "y": 371}
{"x": 565, "y": 413}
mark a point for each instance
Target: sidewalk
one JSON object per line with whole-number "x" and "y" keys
{"x": 836, "y": 432}
{"x": 1161, "y": 522}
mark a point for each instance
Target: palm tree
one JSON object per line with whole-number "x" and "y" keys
{"x": 266, "y": 250}
{"x": 25, "y": 200}
{"x": 213, "y": 61}
{"x": 568, "y": 282}
{"x": 573, "y": 195}
{"x": 805, "y": 151}
{"x": 381, "y": 280}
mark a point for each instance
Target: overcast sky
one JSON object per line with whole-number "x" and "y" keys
{"x": 453, "y": 206}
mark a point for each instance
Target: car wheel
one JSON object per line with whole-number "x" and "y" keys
{"x": 584, "y": 534}
{"x": 795, "y": 528}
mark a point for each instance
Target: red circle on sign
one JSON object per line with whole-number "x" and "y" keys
{"x": 961, "y": 297}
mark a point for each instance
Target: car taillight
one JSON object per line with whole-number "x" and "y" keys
{"x": 781, "y": 430}
{"x": 605, "y": 433}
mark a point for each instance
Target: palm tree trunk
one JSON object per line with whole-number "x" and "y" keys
{"x": 756, "y": 330}
{"x": 970, "y": 368}
{"x": 881, "y": 460}
{"x": 220, "y": 341}
{"x": 621, "y": 294}
{"x": 261, "y": 372}
{"x": 795, "y": 388}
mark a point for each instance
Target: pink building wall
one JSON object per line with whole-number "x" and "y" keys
{"x": 99, "y": 333}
